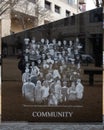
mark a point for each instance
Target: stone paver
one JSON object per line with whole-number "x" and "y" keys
{"x": 50, "y": 126}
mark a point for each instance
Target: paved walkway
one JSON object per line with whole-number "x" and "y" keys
{"x": 50, "y": 126}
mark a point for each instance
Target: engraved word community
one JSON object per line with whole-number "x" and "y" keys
{"x": 52, "y": 114}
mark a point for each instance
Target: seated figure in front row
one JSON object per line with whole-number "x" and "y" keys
{"x": 75, "y": 92}
{"x": 79, "y": 89}
{"x": 52, "y": 100}
{"x": 72, "y": 92}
